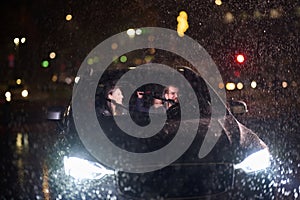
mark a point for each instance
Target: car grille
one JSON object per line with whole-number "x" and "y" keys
{"x": 178, "y": 181}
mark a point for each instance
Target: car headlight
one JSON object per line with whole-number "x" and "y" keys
{"x": 255, "y": 162}
{"x": 83, "y": 169}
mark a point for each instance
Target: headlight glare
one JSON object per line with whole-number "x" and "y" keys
{"x": 83, "y": 169}
{"x": 257, "y": 161}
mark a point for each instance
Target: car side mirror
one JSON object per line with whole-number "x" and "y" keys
{"x": 238, "y": 108}
{"x": 55, "y": 113}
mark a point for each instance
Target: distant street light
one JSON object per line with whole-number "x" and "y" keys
{"x": 17, "y": 41}
{"x": 23, "y": 40}
{"x": 69, "y": 17}
{"x": 131, "y": 32}
{"x": 240, "y": 86}
{"x": 14, "y": 59}
{"x": 52, "y": 55}
{"x": 284, "y": 84}
{"x": 24, "y": 93}
{"x": 253, "y": 84}
{"x": 218, "y": 2}
{"x": 230, "y": 86}
{"x": 138, "y": 31}
{"x": 18, "y": 81}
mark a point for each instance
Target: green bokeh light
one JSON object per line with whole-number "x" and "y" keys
{"x": 90, "y": 61}
{"x": 123, "y": 59}
{"x": 45, "y": 63}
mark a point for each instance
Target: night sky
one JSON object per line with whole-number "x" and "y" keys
{"x": 267, "y": 32}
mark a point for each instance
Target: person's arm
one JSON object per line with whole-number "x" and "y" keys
{"x": 140, "y": 103}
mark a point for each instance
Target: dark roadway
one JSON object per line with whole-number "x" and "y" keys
{"x": 25, "y": 141}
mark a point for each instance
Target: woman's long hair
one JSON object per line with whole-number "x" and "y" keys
{"x": 116, "y": 109}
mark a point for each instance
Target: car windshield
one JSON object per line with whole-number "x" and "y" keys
{"x": 141, "y": 98}
{"x": 131, "y": 99}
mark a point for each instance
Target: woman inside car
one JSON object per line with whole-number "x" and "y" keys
{"x": 114, "y": 99}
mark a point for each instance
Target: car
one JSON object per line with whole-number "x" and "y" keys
{"x": 237, "y": 160}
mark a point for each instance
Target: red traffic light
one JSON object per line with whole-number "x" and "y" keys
{"x": 240, "y": 58}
